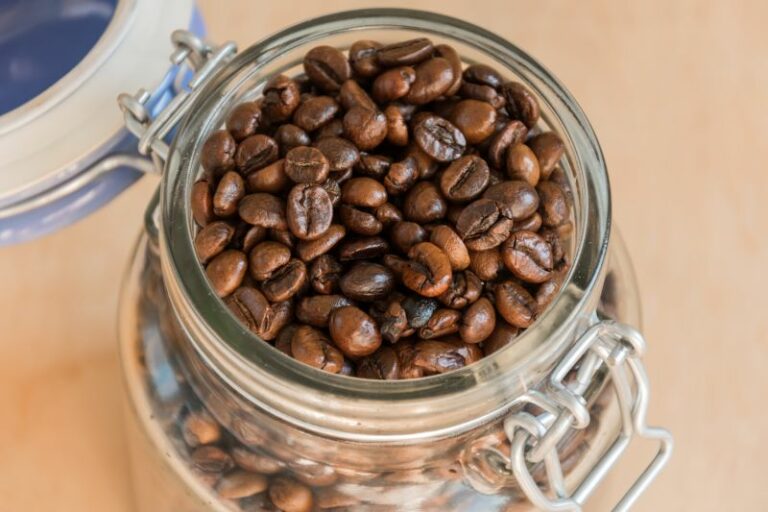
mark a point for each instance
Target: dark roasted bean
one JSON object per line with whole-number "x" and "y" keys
{"x": 486, "y": 264}
{"x": 354, "y": 332}
{"x": 478, "y": 322}
{"x": 341, "y": 153}
{"x": 374, "y": 166}
{"x": 521, "y": 103}
{"x": 393, "y": 84}
{"x": 363, "y": 248}
{"x": 528, "y": 256}
{"x": 283, "y": 236}
{"x": 439, "y": 138}
{"x": 451, "y": 244}
{"x": 359, "y": 221}
{"x": 226, "y": 271}
{"x": 532, "y": 223}
{"x": 465, "y": 179}
{"x": 393, "y": 322}
{"x": 309, "y": 211}
{"x": 333, "y": 128}
{"x": 267, "y": 257}
{"x": 308, "y": 250}
{"x": 271, "y": 178}
{"x": 289, "y": 136}
{"x": 548, "y": 148}
{"x": 306, "y": 165}
{"x": 483, "y": 74}
{"x": 433, "y": 78}
{"x": 281, "y": 97}
{"x": 437, "y": 356}
{"x": 202, "y": 202}
{"x": 228, "y": 193}
{"x": 515, "y": 304}
{"x": 401, "y": 176}
{"x": 311, "y": 347}
{"x": 494, "y": 236}
{"x": 286, "y": 281}
{"x": 251, "y": 307}
{"x": 397, "y": 127}
{"x": 514, "y": 132}
{"x": 255, "y": 152}
{"x": 364, "y": 192}
{"x": 241, "y": 484}
{"x": 282, "y": 315}
{"x": 465, "y": 289}
{"x": 211, "y": 459}
{"x": 406, "y": 52}
{"x": 327, "y": 68}
{"x": 352, "y": 95}
{"x": 261, "y": 209}
{"x": 325, "y": 273}
{"x": 477, "y": 218}
{"x": 382, "y": 365}
{"x": 503, "y": 334}
{"x": 218, "y": 153}
{"x": 388, "y": 214}
{"x": 554, "y": 203}
{"x": 442, "y": 323}
{"x": 428, "y": 271}
{"x": 244, "y": 120}
{"x": 426, "y": 166}
{"x": 452, "y": 56}
{"x": 406, "y": 353}
{"x": 363, "y": 58}
{"x": 316, "y": 310}
{"x": 522, "y": 164}
{"x": 212, "y": 240}
{"x": 256, "y": 462}
{"x": 476, "y": 119}
{"x": 365, "y": 127}
{"x": 315, "y": 112}
{"x": 367, "y": 282}
{"x": 247, "y": 236}
{"x": 483, "y": 93}
{"x": 516, "y": 200}
{"x": 405, "y": 235}
{"x": 424, "y": 203}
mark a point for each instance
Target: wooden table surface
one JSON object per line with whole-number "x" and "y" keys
{"x": 678, "y": 94}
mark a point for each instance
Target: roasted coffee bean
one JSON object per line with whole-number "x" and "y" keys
{"x": 261, "y": 209}
{"x": 405, "y": 52}
{"x": 548, "y": 290}
{"x": 315, "y": 112}
{"x": 218, "y": 153}
{"x": 211, "y": 459}
{"x": 340, "y": 153}
{"x": 202, "y": 202}
{"x": 528, "y": 256}
{"x": 516, "y": 200}
{"x": 283, "y": 342}
{"x": 363, "y": 248}
{"x": 437, "y": 356}
{"x": 283, "y": 236}
{"x": 393, "y": 84}
{"x": 311, "y": 347}
{"x": 281, "y": 98}
{"x": 309, "y": 211}
{"x": 241, "y": 484}
{"x": 316, "y": 310}
{"x": 494, "y": 236}
{"x": 199, "y": 428}
{"x": 251, "y": 307}
{"x": 548, "y": 148}
{"x": 256, "y": 462}
{"x": 442, "y": 323}
{"x": 282, "y": 315}
{"x": 381, "y": 365}
{"x": 476, "y": 119}
{"x": 465, "y": 179}
{"x": 271, "y": 178}
{"x": 352, "y": 95}
{"x": 401, "y": 176}
{"x": 366, "y": 128}
{"x": 308, "y": 250}
{"x": 433, "y": 78}
{"x": 359, "y": 221}
{"x": 515, "y": 304}
{"x": 482, "y": 93}
{"x": 513, "y": 133}
{"x": 554, "y": 203}
{"x": 419, "y": 310}
{"x": 286, "y": 281}
{"x": 439, "y": 138}
{"x": 364, "y": 192}
{"x": 483, "y": 74}
{"x": 450, "y": 242}
{"x": 244, "y": 120}
{"x": 226, "y": 271}
{"x": 374, "y": 166}
{"x": 477, "y": 218}
{"x": 522, "y": 164}
{"x": 397, "y": 127}
{"x": 354, "y": 332}
{"x": 388, "y": 214}
{"x": 305, "y": 164}
{"x": 246, "y": 237}
{"x": 428, "y": 272}
{"x": 465, "y": 289}
{"x": 363, "y": 58}
{"x": 325, "y": 274}
{"x": 486, "y": 264}
{"x": 405, "y": 235}
{"x": 406, "y": 353}
{"x": 212, "y": 240}
{"x": 327, "y": 68}
{"x": 255, "y": 152}
{"x": 393, "y": 322}
{"x": 452, "y": 56}
{"x": 478, "y": 322}
{"x": 553, "y": 237}
{"x": 367, "y": 282}
{"x": 228, "y": 193}
{"x": 532, "y": 223}
{"x": 289, "y": 495}
{"x": 521, "y": 103}
{"x": 267, "y": 257}
{"x": 426, "y": 166}
{"x": 424, "y": 203}
{"x": 503, "y": 334}
{"x": 289, "y": 136}
{"x": 333, "y": 128}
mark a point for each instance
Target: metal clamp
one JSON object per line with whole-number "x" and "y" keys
{"x": 204, "y": 60}
{"x": 535, "y": 438}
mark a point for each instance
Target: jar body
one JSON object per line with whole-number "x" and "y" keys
{"x": 167, "y": 381}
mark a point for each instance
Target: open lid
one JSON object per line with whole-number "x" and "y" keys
{"x": 63, "y": 149}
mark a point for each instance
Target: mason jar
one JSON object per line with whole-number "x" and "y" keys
{"x": 221, "y": 420}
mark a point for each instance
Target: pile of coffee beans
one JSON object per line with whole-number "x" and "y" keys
{"x": 387, "y": 214}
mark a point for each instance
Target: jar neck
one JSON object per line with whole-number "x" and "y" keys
{"x": 369, "y": 410}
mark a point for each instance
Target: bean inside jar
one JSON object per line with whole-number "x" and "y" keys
{"x": 387, "y": 214}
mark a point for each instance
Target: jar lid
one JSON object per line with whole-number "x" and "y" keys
{"x": 63, "y": 149}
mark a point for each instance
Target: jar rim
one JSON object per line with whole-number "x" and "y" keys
{"x": 370, "y": 410}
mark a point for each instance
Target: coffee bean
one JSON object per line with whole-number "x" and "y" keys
{"x": 256, "y": 462}
{"x": 341, "y": 154}
{"x": 478, "y": 322}
{"x": 252, "y": 309}
{"x": 363, "y": 58}
{"x": 451, "y": 244}
{"x": 452, "y": 56}
{"x": 494, "y": 236}
{"x": 516, "y": 200}
{"x": 424, "y": 203}
{"x": 289, "y": 136}
{"x": 327, "y": 68}
{"x": 367, "y": 282}
{"x": 286, "y": 281}
{"x": 202, "y": 202}
{"x": 465, "y": 178}
{"x": 465, "y": 289}
{"x": 359, "y": 221}
{"x": 393, "y": 84}
{"x": 281, "y": 98}
{"x": 486, "y": 264}
{"x": 261, "y": 209}
{"x": 374, "y": 166}
{"x": 366, "y": 128}
{"x": 354, "y": 332}
{"x": 244, "y": 120}
{"x": 212, "y": 240}
{"x": 428, "y": 272}
{"x": 315, "y": 112}
{"x": 503, "y": 334}
{"x": 364, "y": 192}
{"x": 549, "y": 289}
{"x": 308, "y": 250}
{"x": 306, "y": 165}
{"x": 352, "y": 95}
{"x": 199, "y": 428}
{"x": 439, "y": 138}
{"x": 267, "y": 257}
{"x": 218, "y": 153}
{"x": 482, "y": 93}
{"x": 401, "y": 176}
{"x": 548, "y": 148}
{"x": 271, "y": 178}
{"x": 477, "y": 218}
{"x": 406, "y": 353}
{"x": 405, "y": 52}
{"x": 388, "y": 214}
{"x": 515, "y": 304}
{"x": 476, "y": 119}
{"x": 528, "y": 256}
{"x": 521, "y": 103}
{"x": 316, "y": 310}
{"x": 532, "y": 223}
{"x": 230, "y": 190}
{"x": 309, "y": 211}
{"x": 363, "y": 248}
{"x": 289, "y": 495}
{"x": 211, "y": 459}
{"x": 333, "y": 128}
{"x": 282, "y": 315}
{"x": 513, "y": 133}
{"x": 325, "y": 274}
{"x": 442, "y": 323}
{"x": 246, "y": 237}
{"x": 438, "y": 356}
{"x": 554, "y": 203}
{"x": 255, "y": 152}
{"x": 397, "y": 127}
{"x": 405, "y": 235}
{"x": 282, "y": 236}
{"x": 241, "y": 484}
{"x": 226, "y": 271}
{"x": 522, "y": 164}
{"x": 393, "y": 322}
{"x": 484, "y": 75}
{"x": 311, "y": 347}
{"x": 381, "y": 365}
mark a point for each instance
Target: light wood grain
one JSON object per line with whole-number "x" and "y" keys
{"x": 678, "y": 94}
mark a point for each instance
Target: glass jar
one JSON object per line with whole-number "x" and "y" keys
{"x": 542, "y": 419}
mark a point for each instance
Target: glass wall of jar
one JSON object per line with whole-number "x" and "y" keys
{"x": 221, "y": 420}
